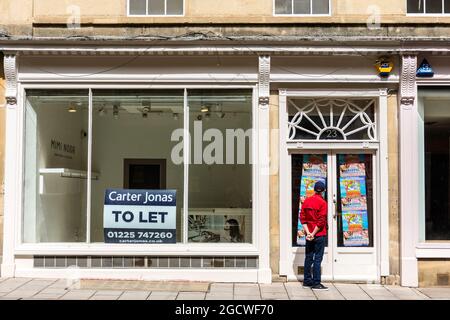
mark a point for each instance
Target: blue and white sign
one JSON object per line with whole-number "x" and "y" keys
{"x": 140, "y": 216}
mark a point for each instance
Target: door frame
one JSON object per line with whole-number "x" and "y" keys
{"x": 380, "y": 167}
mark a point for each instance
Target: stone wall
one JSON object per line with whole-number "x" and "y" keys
{"x": 394, "y": 222}
{"x": 434, "y": 272}
{"x": 274, "y": 185}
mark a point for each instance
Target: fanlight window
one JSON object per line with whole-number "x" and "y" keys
{"x": 331, "y": 119}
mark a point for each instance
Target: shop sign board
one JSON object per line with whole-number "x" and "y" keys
{"x": 139, "y": 216}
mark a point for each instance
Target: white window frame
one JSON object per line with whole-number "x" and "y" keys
{"x": 424, "y": 11}
{"x": 302, "y": 14}
{"x": 155, "y": 15}
{"x": 426, "y": 248}
{"x": 181, "y": 248}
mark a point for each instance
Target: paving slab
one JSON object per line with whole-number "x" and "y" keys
{"x": 44, "y": 296}
{"x": 134, "y": 295}
{"x": 22, "y": 293}
{"x": 436, "y": 293}
{"x": 164, "y": 286}
{"x": 219, "y": 296}
{"x": 221, "y": 287}
{"x": 377, "y": 292}
{"x": 191, "y": 296}
{"x": 351, "y": 291}
{"x": 296, "y": 292}
{"x": 78, "y": 295}
{"x": 50, "y": 290}
{"x": 274, "y": 287}
{"x": 404, "y": 293}
{"x": 12, "y": 284}
{"x": 247, "y": 297}
{"x": 62, "y": 284}
{"x": 274, "y": 296}
{"x": 296, "y": 297}
{"x": 109, "y": 292}
{"x": 246, "y": 289}
{"x": 103, "y": 297}
{"x": 331, "y": 294}
{"x": 162, "y": 295}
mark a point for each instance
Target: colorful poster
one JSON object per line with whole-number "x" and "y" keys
{"x": 353, "y": 187}
{"x": 352, "y": 166}
{"x": 314, "y": 169}
{"x": 353, "y": 191}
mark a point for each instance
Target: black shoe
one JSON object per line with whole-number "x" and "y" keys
{"x": 307, "y": 286}
{"x": 320, "y": 287}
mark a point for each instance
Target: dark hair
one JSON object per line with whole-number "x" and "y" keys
{"x": 235, "y": 233}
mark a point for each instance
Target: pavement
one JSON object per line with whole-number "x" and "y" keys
{"x": 64, "y": 289}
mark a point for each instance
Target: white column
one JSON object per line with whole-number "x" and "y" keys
{"x": 11, "y": 165}
{"x": 409, "y": 160}
{"x": 262, "y": 196}
{"x": 384, "y": 184}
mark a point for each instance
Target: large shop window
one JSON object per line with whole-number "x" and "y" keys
{"x": 137, "y": 140}
{"x": 434, "y": 177}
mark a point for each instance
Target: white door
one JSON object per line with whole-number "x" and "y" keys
{"x": 350, "y": 254}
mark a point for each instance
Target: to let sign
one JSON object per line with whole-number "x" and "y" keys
{"x": 140, "y": 216}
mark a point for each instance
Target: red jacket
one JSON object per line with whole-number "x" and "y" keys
{"x": 314, "y": 213}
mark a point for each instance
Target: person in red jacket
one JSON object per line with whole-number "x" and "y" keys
{"x": 313, "y": 217}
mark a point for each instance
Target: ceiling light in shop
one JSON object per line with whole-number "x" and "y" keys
{"x": 116, "y": 112}
{"x": 102, "y": 111}
{"x": 145, "y": 112}
{"x": 72, "y": 108}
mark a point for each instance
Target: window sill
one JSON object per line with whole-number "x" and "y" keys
{"x": 433, "y": 250}
{"x": 135, "y": 249}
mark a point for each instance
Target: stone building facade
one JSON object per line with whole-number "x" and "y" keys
{"x": 282, "y": 56}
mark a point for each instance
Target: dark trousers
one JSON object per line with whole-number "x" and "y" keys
{"x": 313, "y": 258}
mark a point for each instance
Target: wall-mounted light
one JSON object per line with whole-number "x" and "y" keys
{"x": 204, "y": 109}
{"x": 175, "y": 116}
{"x": 207, "y": 116}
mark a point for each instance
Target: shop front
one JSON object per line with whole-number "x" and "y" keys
{"x": 115, "y": 170}
{"x": 424, "y": 132}
{"x": 338, "y": 137}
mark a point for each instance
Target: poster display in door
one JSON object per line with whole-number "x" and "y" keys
{"x": 314, "y": 169}
{"x": 352, "y": 183}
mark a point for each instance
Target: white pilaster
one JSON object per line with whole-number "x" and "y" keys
{"x": 384, "y": 184}
{"x": 409, "y": 166}
{"x": 11, "y": 165}
{"x": 263, "y": 165}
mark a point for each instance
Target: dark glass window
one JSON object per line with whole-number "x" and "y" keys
{"x": 437, "y": 167}
{"x": 415, "y": 6}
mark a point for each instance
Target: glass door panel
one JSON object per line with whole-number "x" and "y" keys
{"x": 354, "y": 205}
{"x": 306, "y": 170}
